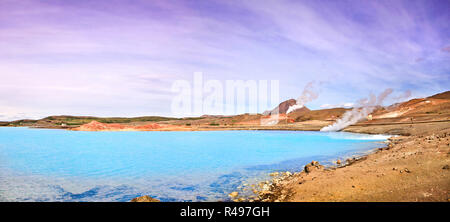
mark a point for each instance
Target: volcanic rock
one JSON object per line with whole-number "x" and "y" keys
{"x": 314, "y": 165}
{"x": 145, "y": 198}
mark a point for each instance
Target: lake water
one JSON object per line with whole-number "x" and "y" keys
{"x": 61, "y": 165}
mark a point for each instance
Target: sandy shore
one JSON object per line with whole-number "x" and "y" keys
{"x": 409, "y": 168}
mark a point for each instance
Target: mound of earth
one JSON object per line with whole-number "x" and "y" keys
{"x": 282, "y": 107}
{"x": 97, "y": 126}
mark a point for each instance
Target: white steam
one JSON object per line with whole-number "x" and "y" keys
{"x": 308, "y": 95}
{"x": 398, "y": 99}
{"x": 363, "y": 109}
{"x": 406, "y": 95}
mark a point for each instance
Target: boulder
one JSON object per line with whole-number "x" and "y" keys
{"x": 145, "y": 198}
{"x": 233, "y": 194}
{"x": 314, "y": 165}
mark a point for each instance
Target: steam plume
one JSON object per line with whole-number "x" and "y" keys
{"x": 403, "y": 97}
{"x": 398, "y": 99}
{"x": 365, "y": 107}
{"x": 308, "y": 95}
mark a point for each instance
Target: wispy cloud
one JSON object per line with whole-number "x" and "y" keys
{"x": 89, "y": 56}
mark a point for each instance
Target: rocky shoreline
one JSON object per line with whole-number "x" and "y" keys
{"x": 273, "y": 191}
{"x": 409, "y": 168}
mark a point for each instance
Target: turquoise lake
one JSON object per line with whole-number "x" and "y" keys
{"x": 61, "y": 165}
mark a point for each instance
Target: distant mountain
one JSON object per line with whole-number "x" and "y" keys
{"x": 282, "y": 108}
{"x": 438, "y": 104}
{"x": 436, "y": 107}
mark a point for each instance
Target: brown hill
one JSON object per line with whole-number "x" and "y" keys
{"x": 281, "y": 108}
{"x": 444, "y": 95}
{"x": 437, "y": 107}
{"x": 322, "y": 114}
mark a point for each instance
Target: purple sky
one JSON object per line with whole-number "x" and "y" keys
{"x": 119, "y": 58}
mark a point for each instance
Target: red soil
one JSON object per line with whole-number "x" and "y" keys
{"x": 97, "y": 126}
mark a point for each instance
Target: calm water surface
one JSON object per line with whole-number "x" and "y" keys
{"x": 61, "y": 165}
